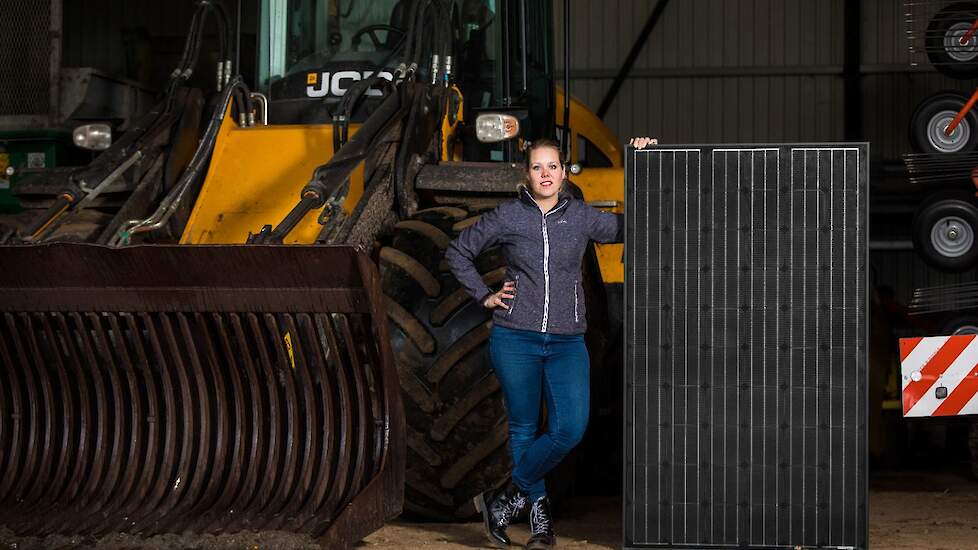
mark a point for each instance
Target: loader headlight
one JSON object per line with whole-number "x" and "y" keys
{"x": 493, "y": 127}
{"x": 96, "y": 137}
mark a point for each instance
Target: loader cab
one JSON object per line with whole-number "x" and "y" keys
{"x": 311, "y": 51}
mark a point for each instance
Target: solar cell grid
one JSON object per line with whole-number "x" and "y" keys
{"x": 745, "y": 306}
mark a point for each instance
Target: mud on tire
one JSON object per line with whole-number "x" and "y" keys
{"x": 456, "y": 422}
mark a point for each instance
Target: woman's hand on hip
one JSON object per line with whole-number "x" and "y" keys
{"x": 641, "y": 142}
{"x": 496, "y": 300}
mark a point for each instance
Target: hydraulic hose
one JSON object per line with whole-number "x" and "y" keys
{"x": 187, "y": 44}
{"x": 349, "y": 102}
{"x": 130, "y": 149}
{"x": 411, "y": 31}
{"x": 175, "y": 197}
{"x": 329, "y": 181}
{"x": 85, "y": 183}
{"x": 403, "y": 154}
{"x": 61, "y": 204}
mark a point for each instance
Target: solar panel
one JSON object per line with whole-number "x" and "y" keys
{"x": 746, "y": 324}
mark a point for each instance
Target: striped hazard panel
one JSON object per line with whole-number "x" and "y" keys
{"x": 940, "y": 375}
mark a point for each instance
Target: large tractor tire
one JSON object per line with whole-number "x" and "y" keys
{"x": 456, "y": 423}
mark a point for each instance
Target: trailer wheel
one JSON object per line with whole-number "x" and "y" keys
{"x": 943, "y": 41}
{"x": 944, "y": 231}
{"x": 457, "y": 431}
{"x": 966, "y": 324}
{"x": 933, "y": 116}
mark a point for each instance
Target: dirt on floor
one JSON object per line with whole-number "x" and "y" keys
{"x": 588, "y": 523}
{"x": 906, "y": 513}
{"x": 909, "y": 511}
{"x": 918, "y": 512}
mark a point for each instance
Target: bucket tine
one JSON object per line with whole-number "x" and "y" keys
{"x": 164, "y": 389}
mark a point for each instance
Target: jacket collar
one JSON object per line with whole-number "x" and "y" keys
{"x": 526, "y": 198}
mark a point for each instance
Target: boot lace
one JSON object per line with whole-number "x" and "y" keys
{"x": 506, "y": 509}
{"x": 539, "y": 520}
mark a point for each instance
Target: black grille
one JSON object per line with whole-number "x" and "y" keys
{"x": 25, "y": 67}
{"x": 745, "y": 329}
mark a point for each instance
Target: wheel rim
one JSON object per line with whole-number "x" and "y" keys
{"x": 943, "y": 142}
{"x": 952, "y": 237}
{"x": 957, "y": 51}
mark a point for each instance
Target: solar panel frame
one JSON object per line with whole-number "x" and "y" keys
{"x": 745, "y": 344}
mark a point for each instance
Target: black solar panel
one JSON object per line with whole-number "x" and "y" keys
{"x": 745, "y": 323}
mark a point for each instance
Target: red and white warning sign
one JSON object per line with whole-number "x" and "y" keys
{"x": 940, "y": 375}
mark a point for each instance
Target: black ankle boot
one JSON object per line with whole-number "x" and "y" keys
{"x": 498, "y": 511}
{"x": 541, "y": 526}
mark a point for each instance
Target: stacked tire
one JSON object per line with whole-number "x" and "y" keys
{"x": 933, "y": 116}
{"x": 944, "y": 231}
{"x": 950, "y": 54}
{"x": 946, "y": 223}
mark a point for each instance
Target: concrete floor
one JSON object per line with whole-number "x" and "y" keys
{"x": 908, "y": 511}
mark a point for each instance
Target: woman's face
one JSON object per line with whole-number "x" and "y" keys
{"x": 546, "y": 173}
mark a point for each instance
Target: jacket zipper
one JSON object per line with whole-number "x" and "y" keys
{"x": 546, "y": 267}
{"x": 575, "y": 302}
{"x": 512, "y": 305}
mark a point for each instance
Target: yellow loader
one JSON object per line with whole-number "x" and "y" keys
{"x": 247, "y": 324}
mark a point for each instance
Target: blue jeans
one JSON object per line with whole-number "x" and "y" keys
{"x": 530, "y": 365}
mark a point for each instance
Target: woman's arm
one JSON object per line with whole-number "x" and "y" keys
{"x": 604, "y": 227}
{"x": 462, "y": 252}
{"x": 607, "y": 227}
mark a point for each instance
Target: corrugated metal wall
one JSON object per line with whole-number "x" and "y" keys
{"x": 747, "y": 70}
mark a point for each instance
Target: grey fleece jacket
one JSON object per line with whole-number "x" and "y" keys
{"x": 544, "y": 254}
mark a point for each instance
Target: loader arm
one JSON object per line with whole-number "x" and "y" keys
{"x": 134, "y": 164}
{"x": 264, "y": 182}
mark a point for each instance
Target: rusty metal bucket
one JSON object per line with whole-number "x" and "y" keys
{"x": 159, "y": 389}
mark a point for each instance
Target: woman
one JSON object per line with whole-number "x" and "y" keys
{"x": 537, "y": 340}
